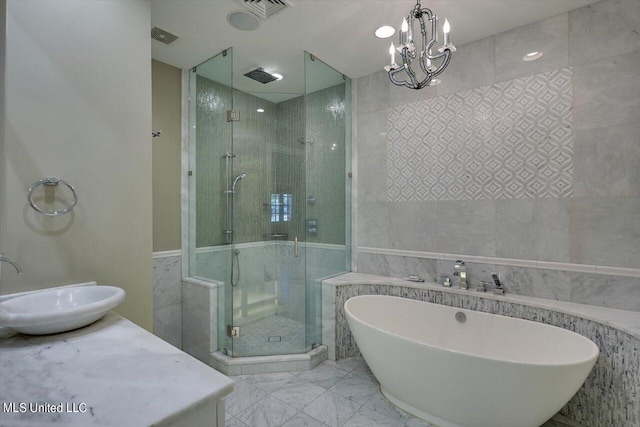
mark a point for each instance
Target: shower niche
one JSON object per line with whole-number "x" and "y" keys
{"x": 257, "y": 153}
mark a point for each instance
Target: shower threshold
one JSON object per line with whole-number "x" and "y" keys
{"x": 267, "y": 364}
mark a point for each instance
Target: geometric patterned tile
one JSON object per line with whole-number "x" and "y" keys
{"x": 510, "y": 140}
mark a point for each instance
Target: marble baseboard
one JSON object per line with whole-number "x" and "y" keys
{"x": 608, "y": 396}
{"x": 545, "y": 281}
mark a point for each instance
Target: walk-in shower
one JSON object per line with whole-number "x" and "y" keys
{"x": 269, "y": 208}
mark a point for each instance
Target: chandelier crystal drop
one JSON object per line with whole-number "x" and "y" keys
{"x": 431, "y": 63}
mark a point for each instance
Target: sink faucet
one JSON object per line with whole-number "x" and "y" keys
{"x": 13, "y": 263}
{"x": 460, "y": 269}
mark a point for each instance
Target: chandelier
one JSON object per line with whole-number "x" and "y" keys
{"x": 431, "y": 63}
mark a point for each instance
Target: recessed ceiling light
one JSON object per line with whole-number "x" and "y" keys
{"x": 532, "y": 56}
{"x": 260, "y": 110}
{"x": 277, "y": 76}
{"x": 385, "y": 32}
{"x": 244, "y": 21}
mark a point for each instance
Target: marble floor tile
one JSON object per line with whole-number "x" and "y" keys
{"x": 298, "y": 395}
{"x": 294, "y": 400}
{"x": 323, "y": 375}
{"x": 234, "y": 422}
{"x": 243, "y": 396}
{"x": 303, "y": 420}
{"x": 380, "y": 405}
{"x": 267, "y": 382}
{"x": 348, "y": 364}
{"x": 332, "y": 409}
{"x": 269, "y": 412}
{"x": 359, "y": 388}
{"x": 371, "y": 419}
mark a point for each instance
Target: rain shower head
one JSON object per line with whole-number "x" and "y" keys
{"x": 261, "y": 76}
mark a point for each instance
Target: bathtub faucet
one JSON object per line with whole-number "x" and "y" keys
{"x": 499, "y": 290}
{"x": 460, "y": 269}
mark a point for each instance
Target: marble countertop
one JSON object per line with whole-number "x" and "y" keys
{"x": 123, "y": 374}
{"x": 624, "y": 320}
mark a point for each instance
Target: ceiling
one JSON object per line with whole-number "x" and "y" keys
{"x": 339, "y": 32}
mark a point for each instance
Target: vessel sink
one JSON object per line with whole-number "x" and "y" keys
{"x": 58, "y": 310}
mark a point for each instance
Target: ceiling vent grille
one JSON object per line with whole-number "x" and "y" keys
{"x": 163, "y": 36}
{"x": 265, "y": 8}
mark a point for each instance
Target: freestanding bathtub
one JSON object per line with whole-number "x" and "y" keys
{"x": 455, "y": 367}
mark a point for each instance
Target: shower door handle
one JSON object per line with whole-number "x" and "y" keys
{"x": 295, "y": 247}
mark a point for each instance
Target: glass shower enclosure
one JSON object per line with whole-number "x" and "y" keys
{"x": 269, "y": 201}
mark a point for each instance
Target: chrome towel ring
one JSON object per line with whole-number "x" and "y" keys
{"x": 51, "y": 181}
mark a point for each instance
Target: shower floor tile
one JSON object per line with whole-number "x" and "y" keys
{"x": 269, "y": 336}
{"x": 354, "y": 400}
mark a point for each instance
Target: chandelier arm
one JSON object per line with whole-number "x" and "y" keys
{"x": 407, "y": 68}
{"x": 444, "y": 64}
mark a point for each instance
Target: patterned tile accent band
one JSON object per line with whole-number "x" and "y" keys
{"x": 609, "y": 396}
{"x": 510, "y": 140}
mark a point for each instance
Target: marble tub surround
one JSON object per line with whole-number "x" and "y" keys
{"x": 124, "y": 375}
{"x": 613, "y": 287}
{"x": 167, "y": 296}
{"x": 609, "y": 395}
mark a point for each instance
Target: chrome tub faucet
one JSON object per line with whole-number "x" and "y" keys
{"x": 499, "y": 290}
{"x": 460, "y": 269}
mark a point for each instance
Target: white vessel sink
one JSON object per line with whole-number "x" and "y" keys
{"x": 60, "y": 309}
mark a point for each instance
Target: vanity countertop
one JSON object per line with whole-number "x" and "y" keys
{"x": 122, "y": 373}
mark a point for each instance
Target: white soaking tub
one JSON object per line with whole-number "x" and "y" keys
{"x": 484, "y": 371}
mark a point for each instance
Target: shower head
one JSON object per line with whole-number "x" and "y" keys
{"x": 238, "y": 178}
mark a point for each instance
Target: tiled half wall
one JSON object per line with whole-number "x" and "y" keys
{"x": 609, "y": 396}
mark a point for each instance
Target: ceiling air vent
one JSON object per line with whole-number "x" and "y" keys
{"x": 265, "y": 8}
{"x": 163, "y": 36}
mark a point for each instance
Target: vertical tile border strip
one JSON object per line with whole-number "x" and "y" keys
{"x": 609, "y": 396}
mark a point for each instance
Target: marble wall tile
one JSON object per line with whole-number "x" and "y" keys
{"x": 373, "y": 224}
{"x": 198, "y": 330}
{"x": 467, "y": 227}
{"x": 167, "y": 324}
{"x": 372, "y": 149}
{"x": 399, "y": 95}
{"x": 606, "y": 291}
{"x": 167, "y": 281}
{"x": 605, "y": 231}
{"x": 413, "y": 226}
{"x": 472, "y": 65}
{"x": 617, "y": 102}
{"x": 373, "y": 92}
{"x": 533, "y": 229}
{"x": 603, "y": 30}
{"x": 550, "y": 36}
{"x": 606, "y": 161}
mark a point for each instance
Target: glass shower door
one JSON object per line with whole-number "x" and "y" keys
{"x": 211, "y": 174}
{"x": 327, "y": 184}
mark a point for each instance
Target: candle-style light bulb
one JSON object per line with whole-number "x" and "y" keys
{"x": 405, "y": 29}
{"x": 392, "y": 52}
{"x": 446, "y": 29}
